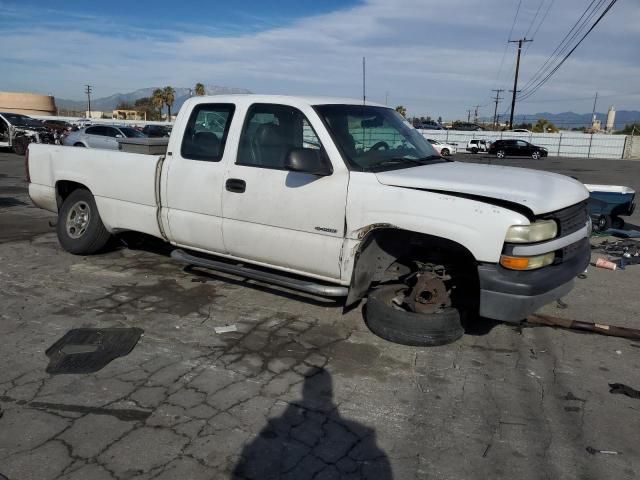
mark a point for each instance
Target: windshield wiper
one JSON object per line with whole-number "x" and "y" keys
{"x": 400, "y": 160}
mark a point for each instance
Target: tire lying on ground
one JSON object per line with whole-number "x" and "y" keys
{"x": 80, "y": 229}
{"x": 408, "y": 328}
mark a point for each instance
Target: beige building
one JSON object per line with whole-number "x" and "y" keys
{"x": 27, "y": 103}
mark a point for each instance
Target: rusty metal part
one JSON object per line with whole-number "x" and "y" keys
{"x": 428, "y": 295}
{"x": 610, "y": 330}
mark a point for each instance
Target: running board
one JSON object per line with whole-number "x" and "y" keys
{"x": 262, "y": 276}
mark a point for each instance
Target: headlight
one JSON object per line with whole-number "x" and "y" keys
{"x": 527, "y": 263}
{"x": 536, "y": 232}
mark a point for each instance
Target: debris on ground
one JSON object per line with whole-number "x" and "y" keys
{"x": 619, "y": 252}
{"x": 87, "y": 350}
{"x": 610, "y": 330}
{"x": 226, "y": 329}
{"x": 603, "y": 263}
{"x": 622, "y": 389}
{"x": 593, "y": 451}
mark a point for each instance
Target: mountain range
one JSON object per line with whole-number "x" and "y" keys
{"x": 107, "y": 104}
{"x": 568, "y": 120}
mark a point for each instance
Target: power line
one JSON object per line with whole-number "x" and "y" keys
{"x": 535, "y": 88}
{"x": 565, "y": 43}
{"x": 544, "y": 17}
{"x": 534, "y": 17}
{"x": 506, "y": 45}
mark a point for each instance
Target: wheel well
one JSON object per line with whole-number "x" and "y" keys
{"x": 64, "y": 189}
{"x": 388, "y": 253}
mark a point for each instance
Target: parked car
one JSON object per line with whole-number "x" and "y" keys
{"x": 478, "y": 145}
{"x": 428, "y": 126}
{"x": 18, "y": 131}
{"x": 518, "y": 130}
{"x": 607, "y": 203}
{"x": 516, "y": 148}
{"x": 444, "y": 149}
{"x": 101, "y": 136}
{"x": 277, "y": 190}
{"x": 57, "y": 125}
{"x": 468, "y": 127}
{"x": 157, "y": 131}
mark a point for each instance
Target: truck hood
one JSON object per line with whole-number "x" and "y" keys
{"x": 541, "y": 192}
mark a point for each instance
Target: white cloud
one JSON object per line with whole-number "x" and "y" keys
{"x": 437, "y": 58}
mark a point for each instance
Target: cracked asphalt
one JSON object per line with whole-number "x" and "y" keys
{"x": 300, "y": 390}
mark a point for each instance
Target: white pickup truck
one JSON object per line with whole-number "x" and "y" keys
{"x": 333, "y": 197}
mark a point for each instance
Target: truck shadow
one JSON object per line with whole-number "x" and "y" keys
{"x": 312, "y": 440}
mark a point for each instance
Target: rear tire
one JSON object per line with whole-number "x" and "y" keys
{"x": 474, "y": 150}
{"x": 409, "y": 328}
{"x": 602, "y": 223}
{"x": 500, "y": 154}
{"x": 80, "y": 229}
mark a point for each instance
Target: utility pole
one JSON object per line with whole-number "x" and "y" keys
{"x": 475, "y": 115}
{"x": 88, "y": 92}
{"x": 515, "y": 80}
{"x": 364, "y": 80}
{"x": 593, "y": 116}
{"x": 386, "y": 98}
{"x": 468, "y": 115}
{"x": 497, "y": 100}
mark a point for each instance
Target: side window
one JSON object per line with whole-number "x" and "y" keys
{"x": 522, "y": 144}
{"x": 270, "y": 132}
{"x": 93, "y": 131}
{"x": 111, "y": 132}
{"x": 206, "y": 132}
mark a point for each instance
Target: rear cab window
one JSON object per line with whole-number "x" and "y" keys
{"x": 206, "y": 133}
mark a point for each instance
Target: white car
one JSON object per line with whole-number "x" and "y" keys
{"x": 444, "y": 149}
{"x": 475, "y": 146}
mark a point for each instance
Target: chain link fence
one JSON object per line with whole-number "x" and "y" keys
{"x": 564, "y": 144}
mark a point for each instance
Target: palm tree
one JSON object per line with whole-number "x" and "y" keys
{"x": 200, "y": 89}
{"x": 169, "y": 98}
{"x": 157, "y": 100}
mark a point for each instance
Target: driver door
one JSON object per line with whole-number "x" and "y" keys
{"x": 289, "y": 220}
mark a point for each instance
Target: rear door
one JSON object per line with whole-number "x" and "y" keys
{"x": 94, "y": 136}
{"x": 193, "y": 176}
{"x": 523, "y": 148}
{"x": 290, "y": 220}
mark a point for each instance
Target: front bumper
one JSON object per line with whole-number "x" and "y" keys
{"x": 510, "y": 295}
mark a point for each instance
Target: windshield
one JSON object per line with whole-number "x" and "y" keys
{"x": 376, "y": 138}
{"x": 21, "y": 120}
{"x": 131, "y": 132}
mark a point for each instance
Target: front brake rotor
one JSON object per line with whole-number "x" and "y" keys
{"x": 428, "y": 295}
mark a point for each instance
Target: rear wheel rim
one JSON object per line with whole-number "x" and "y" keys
{"x": 500, "y": 154}
{"x": 78, "y": 219}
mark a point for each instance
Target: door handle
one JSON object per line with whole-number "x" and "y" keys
{"x": 235, "y": 185}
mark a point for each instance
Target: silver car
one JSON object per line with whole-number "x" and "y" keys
{"x": 101, "y": 136}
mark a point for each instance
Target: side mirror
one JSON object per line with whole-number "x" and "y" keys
{"x": 119, "y": 136}
{"x": 308, "y": 160}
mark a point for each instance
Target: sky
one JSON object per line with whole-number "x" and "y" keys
{"x": 437, "y": 58}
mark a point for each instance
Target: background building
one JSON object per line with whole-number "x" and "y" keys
{"x": 27, "y": 103}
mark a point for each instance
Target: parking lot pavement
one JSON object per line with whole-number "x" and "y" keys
{"x": 300, "y": 389}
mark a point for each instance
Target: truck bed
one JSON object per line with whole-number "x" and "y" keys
{"x": 123, "y": 184}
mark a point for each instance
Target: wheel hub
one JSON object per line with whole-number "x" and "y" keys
{"x": 429, "y": 294}
{"x": 78, "y": 219}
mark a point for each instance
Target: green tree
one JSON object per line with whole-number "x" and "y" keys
{"x": 169, "y": 98}
{"x": 200, "y": 91}
{"x": 401, "y": 110}
{"x": 157, "y": 100}
{"x": 631, "y": 129}
{"x": 543, "y": 126}
{"x": 122, "y": 105}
